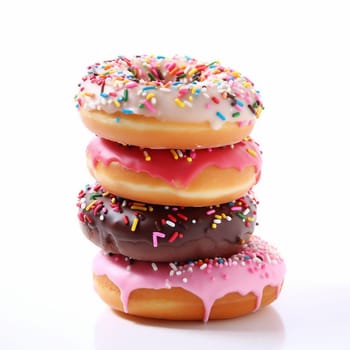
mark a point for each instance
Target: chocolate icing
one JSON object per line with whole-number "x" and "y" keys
{"x": 164, "y": 233}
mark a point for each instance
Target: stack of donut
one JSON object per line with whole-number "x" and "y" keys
{"x": 172, "y": 208}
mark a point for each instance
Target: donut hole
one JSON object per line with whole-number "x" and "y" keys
{"x": 164, "y": 71}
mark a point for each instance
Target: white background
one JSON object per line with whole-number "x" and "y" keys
{"x": 296, "y": 52}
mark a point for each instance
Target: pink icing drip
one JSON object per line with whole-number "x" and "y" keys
{"x": 176, "y": 172}
{"x": 209, "y": 284}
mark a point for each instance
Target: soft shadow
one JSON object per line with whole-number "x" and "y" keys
{"x": 115, "y": 328}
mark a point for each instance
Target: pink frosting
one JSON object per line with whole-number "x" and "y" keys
{"x": 162, "y": 163}
{"x": 258, "y": 265}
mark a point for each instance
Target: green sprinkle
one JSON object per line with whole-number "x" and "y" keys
{"x": 240, "y": 215}
{"x": 181, "y": 76}
{"x": 151, "y": 77}
{"x": 236, "y": 114}
{"x": 95, "y": 195}
{"x": 126, "y": 95}
{"x": 210, "y": 64}
{"x": 141, "y": 105}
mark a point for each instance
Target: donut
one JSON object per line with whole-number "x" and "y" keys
{"x": 217, "y": 288}
{"x": 200, "y": 177}
{"x": 164, "y": 233}
{"x": 160, "y": 102}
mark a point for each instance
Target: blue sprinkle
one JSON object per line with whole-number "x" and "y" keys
{"x": 160, "y": 57}
{"x": 220, "y": 115}
{"x": 127, "y": 111}
{"x": 103, "y": 94}
{"x": 240, "y": 103}
{"x": 246, "y": 257}
{"x": 117, "y": 120}
{"x": 197, "y": 92}
{"x": 221, "y": 260}
{"x": 149, "y": 88}
{"x": 120, "y": 99}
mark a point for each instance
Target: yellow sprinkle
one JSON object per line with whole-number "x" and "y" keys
{"x": 113, "y": 200}
{"x": 189, "y": 159}
{"x": 258, "y": 111}
{"x": 190, "y": 98}
{"x": 192, "y": 71}
{"x": 89, "y": 94}
{"x": 150, "y": 209}
{"x": 247, "y": 84}
{"x": 193, "y": 90}
{"x": 250, "y": 218}
{"x": 179, "y": 102}
{"x": 137, "y": 207}
{"x": 134, "y": 224}
{"x": 88, "y": 207}
{"x": 218, "y": 216}
{"x": 252, "y": 152}
{"x": 116, "y": 102}
{"x": 236, "y": 74}
{"x": 224, "y": 216}
{"x": 140, "y": 204}
{"x": 147, "y": 156}
{"x": 105, "y": 194}
{"x": 213, "y": 225}
{"x": 150, "y": 95}
{"x": 175, "y": 155}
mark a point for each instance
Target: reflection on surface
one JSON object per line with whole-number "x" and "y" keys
{"x": 264, "y": 327}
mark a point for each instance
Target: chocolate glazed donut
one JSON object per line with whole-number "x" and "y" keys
{"x": 164, "y": 233}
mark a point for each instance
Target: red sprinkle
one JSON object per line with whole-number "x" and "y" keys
{"x": 173, "y": 237}
{"x": 215, "y": 100}
{"x": 182, "y": 216}
{"x": 172, "y": 218}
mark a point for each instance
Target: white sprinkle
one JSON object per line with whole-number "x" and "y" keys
{"x": 154, "y": 266}
{"x": 166, "y": 207}
{"x": 187, "y": 103}
{"x": 184, "y": 280}
{"x": 246, "y": 211}
{"x": 178, "y": 273}
{"x": 243, "y": 263}
{"x": 153, "y": 100}
{"x": 173, "y": 266}
{"x": 102, "y": 217}
{"x": 194, "y": 221}
{"x": 128, "y": 268}
{"x": 124, "y": 203}
{"x": 170, "y": 223}
{"x": 171, "y": 273}
{"x": 203, "y": 267}
{"x": 228, "y": 218}
{"x": 82, "y": 205}
{"x": 217, "y": 221}
{"x": 190, "y": 269}
{"x": 165, "y": 89}
{"x": 179, "y": 153}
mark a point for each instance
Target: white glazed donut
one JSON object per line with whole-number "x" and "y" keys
{"x": 159, "y": 102}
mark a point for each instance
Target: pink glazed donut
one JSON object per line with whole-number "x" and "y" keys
{"x": 200, "y": 177}
{"x": 217, "y": 288}
{"x": 160, "y": 102}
